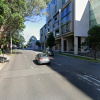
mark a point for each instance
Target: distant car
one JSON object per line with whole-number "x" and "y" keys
{"x": 43, "y": 58}
{"x": 49, "y": 52}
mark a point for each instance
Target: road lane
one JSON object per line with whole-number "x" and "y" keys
{"x": 25, "y": 80}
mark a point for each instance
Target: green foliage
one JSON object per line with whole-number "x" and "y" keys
{"x": 50, "y": 40}
{"x": 13, "y": 14}
{"x": 18, "y": 39}
{"x": 0, "y": 51}
{"x": 1, "y": 20}
{"x": 93, "y": 39}
{"x": 38, "y": 43}
{"x": 35, "y": 7}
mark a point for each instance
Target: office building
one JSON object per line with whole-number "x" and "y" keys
{"x": 69, "y": 22}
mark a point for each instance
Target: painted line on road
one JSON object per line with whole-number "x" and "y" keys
{"x": 31, "y": 67}
{"x": 98, "y": 89}
{"x": 98, "y": 81}
{"x": 88, "y": 79}
{"x": 59, "y": 64}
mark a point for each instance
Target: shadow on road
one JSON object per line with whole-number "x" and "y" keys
{"x": 72, "y": 77}
{"x": 35, "y": 62}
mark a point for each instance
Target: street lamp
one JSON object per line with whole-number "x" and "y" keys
{"x": 11, "y": 42}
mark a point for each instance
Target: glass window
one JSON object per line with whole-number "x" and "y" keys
{"x": 63, "y": 2}
{"x": 94, "y": 12}
{"x": 65, "y": 11}
{"x": 43, "y": 55}
{"x": 54, "y": 2}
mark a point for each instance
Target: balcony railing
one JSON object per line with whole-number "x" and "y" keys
{"x": 56, "y": 25}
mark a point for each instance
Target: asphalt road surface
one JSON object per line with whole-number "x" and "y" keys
{"x": 65, "y": 79}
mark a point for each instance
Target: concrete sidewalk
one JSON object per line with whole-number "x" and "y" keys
{"x": 80, "y": 56}
{"x": 8, "y": 57}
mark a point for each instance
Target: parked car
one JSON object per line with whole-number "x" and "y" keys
{"x": 49, "y": 52}
{"x": 43, "y": 58}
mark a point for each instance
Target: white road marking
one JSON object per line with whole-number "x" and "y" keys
{"x": 92, "y": 78}
{"x": 0, "y": 68}
{"x": 98, "y": 89}
{"x": 89, "y": 79}
{"x": 25, "y": 56}
{"x": 31, "y": 67}
{"x": 59, "y": 64}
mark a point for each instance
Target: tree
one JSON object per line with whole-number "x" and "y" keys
{"x": 18, "y": 39}
{"x": 13, "y": 14}
{"x": 50, "y": 40}
{"x": 93, "y": 39}
{"x": 38, "y": 43}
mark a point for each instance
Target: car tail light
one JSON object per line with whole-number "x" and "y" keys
{"x": 49, "y": 57}
{"x": 41, "y": 58}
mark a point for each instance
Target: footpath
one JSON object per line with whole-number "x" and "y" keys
{"x": 4, "y": 58}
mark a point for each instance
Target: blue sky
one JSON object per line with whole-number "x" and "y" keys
{"x": 33, "y": 28}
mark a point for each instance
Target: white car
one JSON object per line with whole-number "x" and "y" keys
{"x": 43, "y": 58}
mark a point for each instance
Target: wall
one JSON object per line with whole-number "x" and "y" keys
{"x": 81, "y": 18}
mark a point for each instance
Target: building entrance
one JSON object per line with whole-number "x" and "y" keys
{"x": 65, "y": 45}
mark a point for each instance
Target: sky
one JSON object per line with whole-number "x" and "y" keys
{"x": 33, "y": 28}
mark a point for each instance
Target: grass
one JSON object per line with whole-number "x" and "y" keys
{"x": 10, "y": 55}
{"x": 79, "y": 57}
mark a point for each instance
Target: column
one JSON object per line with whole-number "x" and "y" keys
{"x": 82, "y": 47}
{"x": 75, "y": 45}
{"x": 60, "y": 22}
{"x": 54, "y": 48}
{"x": 62, "y": 44}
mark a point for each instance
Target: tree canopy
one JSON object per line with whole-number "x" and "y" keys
{"x": 13, "y": 14}
{"x": 93, "y": 39}
{"x": 50, "y": 40}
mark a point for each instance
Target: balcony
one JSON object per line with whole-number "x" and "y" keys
{"x": 57, "y": 33}
{"x": 66, "y": 28}
{"x": 56, "y": 25}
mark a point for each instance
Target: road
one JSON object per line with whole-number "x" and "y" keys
{"x": 65, "y": 79}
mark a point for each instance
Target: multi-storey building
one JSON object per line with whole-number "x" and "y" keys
{"x": 94, "y": 12}
{"x": 69, "y": 21}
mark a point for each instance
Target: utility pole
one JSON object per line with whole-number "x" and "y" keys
{"x": 11, "y": 44}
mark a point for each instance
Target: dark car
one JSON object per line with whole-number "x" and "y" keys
{"x": 49, "y": 52}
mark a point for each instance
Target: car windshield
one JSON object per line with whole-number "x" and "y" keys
{"x": 43, "y": 55}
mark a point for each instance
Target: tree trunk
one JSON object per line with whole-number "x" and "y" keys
{"x": 95, "y": 54}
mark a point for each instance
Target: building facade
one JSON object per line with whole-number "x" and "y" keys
{"x": 94, "y": 12}
{"x": 69, "y": 22}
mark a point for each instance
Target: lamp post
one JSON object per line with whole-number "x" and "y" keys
{"x": 11, "y": 42}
